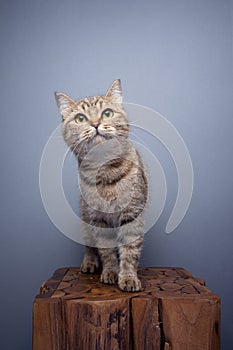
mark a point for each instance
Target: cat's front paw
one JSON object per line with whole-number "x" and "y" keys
{"x": 129, "y": 284}
{"x": 109, "y": 277}
{"x": 89, "y": 266}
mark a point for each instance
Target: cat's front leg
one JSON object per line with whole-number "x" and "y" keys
{"x": 110, "y": 265}
{"x": 90, "y": 260}
{"x": 128, "y": 280}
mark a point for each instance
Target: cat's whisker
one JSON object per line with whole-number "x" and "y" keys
{"x": 132, "y": 122}
{"x": 70, "y": 155}
{"x": 77, "y": 144}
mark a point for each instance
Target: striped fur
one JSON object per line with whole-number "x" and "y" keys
{"x": 114, "y": 191}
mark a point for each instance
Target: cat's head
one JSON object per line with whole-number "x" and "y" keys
{"x": 90, "y": 121}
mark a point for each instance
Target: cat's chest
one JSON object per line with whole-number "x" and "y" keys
{"x": 107, "y": 198}
{"x": 108, "y": 193}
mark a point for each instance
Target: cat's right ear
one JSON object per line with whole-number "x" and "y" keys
{"x": 114, "y": 93}
{"x": 64, "y": 104}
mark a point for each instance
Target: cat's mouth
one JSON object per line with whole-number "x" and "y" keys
{"x": 100, "y": 135}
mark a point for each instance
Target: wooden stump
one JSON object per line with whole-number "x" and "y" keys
{"x": 174, "y": 311}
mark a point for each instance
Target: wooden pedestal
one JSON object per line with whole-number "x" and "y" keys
{"x": 173, "y": 312}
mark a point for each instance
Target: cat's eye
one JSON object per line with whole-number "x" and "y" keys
{"x": 107, "y": 113}
{"x": 80, "y": 118}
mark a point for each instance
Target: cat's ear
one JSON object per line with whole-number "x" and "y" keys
{"x": 64, "y": 104}
{"x": 115, "y": 92}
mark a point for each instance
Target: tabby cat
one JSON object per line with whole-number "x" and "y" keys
{"x": 113, "y": 184}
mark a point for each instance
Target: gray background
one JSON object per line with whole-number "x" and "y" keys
{"x": 172, "y": 56}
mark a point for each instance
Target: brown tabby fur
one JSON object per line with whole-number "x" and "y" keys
{"x": 114, "y": 191}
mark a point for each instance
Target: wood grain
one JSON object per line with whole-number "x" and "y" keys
{"x": 74, "y": 311}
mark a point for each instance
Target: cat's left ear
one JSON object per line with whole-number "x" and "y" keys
{"x": 64, "y": 104}
{"x": 115, "y": 92}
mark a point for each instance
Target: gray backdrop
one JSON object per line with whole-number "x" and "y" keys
{"x": 172, "y": 56}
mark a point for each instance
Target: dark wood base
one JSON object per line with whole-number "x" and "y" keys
{"x": 174, "y": 311}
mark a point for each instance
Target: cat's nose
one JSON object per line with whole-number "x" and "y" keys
{"x": 95, "y": 124}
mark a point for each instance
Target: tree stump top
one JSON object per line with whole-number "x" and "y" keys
{"x": 70, "y": 283}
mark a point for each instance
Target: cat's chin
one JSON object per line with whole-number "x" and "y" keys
{"x": 98, "y": 138}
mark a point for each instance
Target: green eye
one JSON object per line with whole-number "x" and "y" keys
{"x": 108, "y": 113}
{"x": 80, "y": 118}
